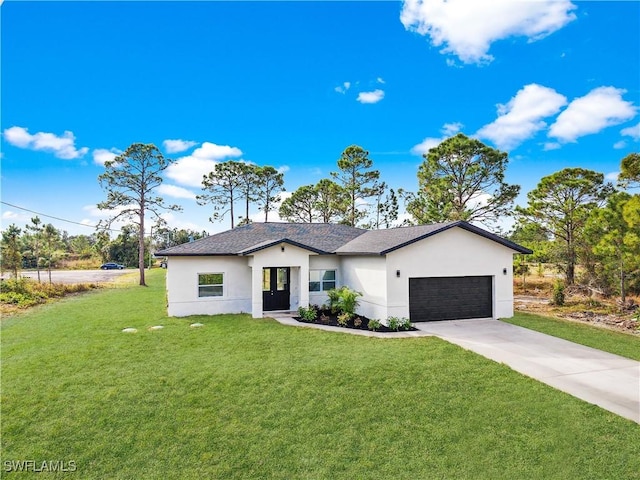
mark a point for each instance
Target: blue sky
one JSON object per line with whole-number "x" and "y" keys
{"x": 291, "y": 84}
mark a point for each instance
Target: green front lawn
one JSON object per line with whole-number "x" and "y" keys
{"x": 243, "y": 398}
{"x": 622, "y": 344}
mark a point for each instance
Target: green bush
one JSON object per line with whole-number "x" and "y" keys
{"x": 343, "y": 319}
{"x": 334, "y": 300}
{"x": 393, "y": 323}
{"x": 25, "y": 292}
{"x": 558, "y": 293}
{"x": 343, "y": 300}
{"x": 19, "y": 299}
{"x": 308, "y": 314}
{"x": 374, "y": 324}
{"x": 399, "y": 323}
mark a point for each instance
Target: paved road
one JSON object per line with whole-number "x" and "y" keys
{"x": 76, "y": 276}
{"x": 609, "y": 381}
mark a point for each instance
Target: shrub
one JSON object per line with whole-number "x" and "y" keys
{"x": 308, "y": 314}
{"x": 357, "y": 322}
{"x": 399, "y": 323}
{"x": 343, "y": 319}
{"x": 558, "y": 293}
{"x": 324, "y": 318}
{"x": 343, "y": 300}
{"x": 334, "y": 300}
{"x": 374, "y": 324}
{"x": 405, "y": 324}
{"x": 393, "y": 323}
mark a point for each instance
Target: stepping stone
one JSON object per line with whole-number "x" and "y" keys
{"x": 196, "y": 325}
{"x": 129, "y": 330}
{"x": 157, "y": 327}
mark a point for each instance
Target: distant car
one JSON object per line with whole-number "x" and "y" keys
{"x": 111, "y": 266}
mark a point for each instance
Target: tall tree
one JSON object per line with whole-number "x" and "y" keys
{"x": 386, "y": 209}
{"x": 51, "y": 243}
{"x": 270, "y": 183}
{"x": 36, "y": 240}
{"x": 462, "y": 179}
{"x": 130, "y": 180}
{"x": 223, "y": 186}
{"x": 248, "y": 187}
{"x": 11, "y": 250}
{"x": 630, "y": 171}
{"x": 560, "y": 204}
{"x": 329, "y": 200}
{"x": 300, "y": 206}
{"x": 614, "y": 240}
{"x": 357, "y": 179}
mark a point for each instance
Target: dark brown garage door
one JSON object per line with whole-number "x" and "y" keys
{"x": 449, "y": 298}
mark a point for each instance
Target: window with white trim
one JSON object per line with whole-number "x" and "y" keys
{"x": 210, "y": 284}
{"x": 322, "y": 280}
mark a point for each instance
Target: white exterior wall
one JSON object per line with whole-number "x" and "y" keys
{"x": 323, "y": 262}
{"x": 451, "y": 253}
{"x": 182, "y": 285}
{"x": 367, "y": 275}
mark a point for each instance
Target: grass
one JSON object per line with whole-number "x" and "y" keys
{"x": 244, "y": 398}
{"x": 623, "y": 344}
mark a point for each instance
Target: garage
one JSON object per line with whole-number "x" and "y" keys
{"x": 450, "y": 298}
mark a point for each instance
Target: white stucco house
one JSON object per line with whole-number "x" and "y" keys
{"x": 428, "y": 272}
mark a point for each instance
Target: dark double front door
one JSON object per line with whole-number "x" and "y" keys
{"x": 275, "y": 288}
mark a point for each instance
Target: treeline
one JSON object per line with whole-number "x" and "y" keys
{"x": 43, "y": 247}
{"x": 354, "y": 195}
{"x": 572, "y": 218}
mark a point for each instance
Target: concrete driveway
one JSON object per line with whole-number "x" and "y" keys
{"x": 609, "y": 381}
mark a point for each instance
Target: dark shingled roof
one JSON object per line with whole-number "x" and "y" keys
{"x": 381, "y": 242}
{"x": 317, "y": 237}
{"x": 322, "y": 238}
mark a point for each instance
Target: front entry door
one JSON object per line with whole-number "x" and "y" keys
{"x": 275, "y": 288}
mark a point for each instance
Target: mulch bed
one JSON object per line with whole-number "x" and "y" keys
{"x": 327, "y": 318}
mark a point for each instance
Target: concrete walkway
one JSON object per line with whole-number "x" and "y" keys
{"x": 609, "y": 381}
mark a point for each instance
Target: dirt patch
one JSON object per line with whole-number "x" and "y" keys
{"x": 578, "y": 308}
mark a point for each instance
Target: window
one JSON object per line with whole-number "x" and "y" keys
{"x": 322, "y": 280}
{"x": 210, "y": 284}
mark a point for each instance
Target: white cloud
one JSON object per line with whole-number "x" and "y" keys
{"x": 602, "y": 107}
{"x": 343, "y": 88}
{"x": 522, "y": 117}
{"x": 551, "y": 146}
{"x": 175, "y": 191}
{"x": 371, "y": 97}
{"x": 176, "y": 146}
{"x": 448, "y": 130}
{"x": 102, "y": 155}
{"x": 62, "y": 147}
{"x": 380, "y": 80}
{"x": 612, "y": 176}
{"x": 10, "y": 215}
{"x": 283, "y": 169}
{"x": 467, "y": 28}
{"x": 620, "y": 144}
{"x": 426, "y": 145}
{"x": 178, "y": 221}
{"x": 190, "y": 170}
{"x": 633, "y": 132}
